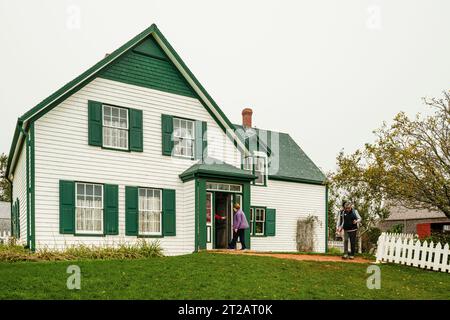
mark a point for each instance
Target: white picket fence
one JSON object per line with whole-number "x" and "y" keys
{"x": 4, "y": 236}
{"x": 412, "y": 252}
{"x": 401, "y": 235}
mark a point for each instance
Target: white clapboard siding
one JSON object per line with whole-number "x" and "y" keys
{"x": 412, "y": 252}
{"x": 20, "y": 192}
{"x": 292, "y": 201}
{"x": 189, "y": 216}
{"x": 62, "y": 152}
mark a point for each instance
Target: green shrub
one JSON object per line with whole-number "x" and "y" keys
{"x": 396, "y": 228}
{"x": 140, "y": 250}
{"x": 441, "y": 237}
{"x": 369, "y": 240}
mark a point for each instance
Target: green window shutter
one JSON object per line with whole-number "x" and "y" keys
{"x": 95, "y": 130}
{"x": 167, "y": 130}
{"x": 270, "y": 222}
{"x": 200, "y": 139}
{"x": 136, "y": 130}
{"x": 18, "y": 217}
{"x": 111, "y": 209}
{"x": 13, "y": 217}
{"x": 169, "y": 216}
{"x": 66, "y": 207}
{"x": 131, "y": 211}
{"x": 205, "y": 138}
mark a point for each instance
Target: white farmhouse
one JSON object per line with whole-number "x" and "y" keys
{"x": 135, "y": 148}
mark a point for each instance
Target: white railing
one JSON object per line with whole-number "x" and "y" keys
{"x": 412, "y": 252}
{"x": 4, "y": 236}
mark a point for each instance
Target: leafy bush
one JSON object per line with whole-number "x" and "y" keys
{"x": 396, "y": 228}
{"x": 369, "y": 240}
{"x": 441, "y": 237}
{"x": 140, "y": 250}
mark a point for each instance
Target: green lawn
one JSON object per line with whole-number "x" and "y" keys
{"x": 217, "y": 276}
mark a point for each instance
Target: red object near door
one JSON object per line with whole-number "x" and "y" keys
{"x": 423, "y": 230}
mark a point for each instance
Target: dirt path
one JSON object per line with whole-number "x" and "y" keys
{"x": 293, "y": 256}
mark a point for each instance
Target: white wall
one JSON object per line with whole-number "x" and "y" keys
{"x": 62, "y": 153}
{"x": 20, "y": 192}
{"x": 292, "y": 201}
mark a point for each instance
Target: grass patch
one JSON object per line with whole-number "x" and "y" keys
{"x": 333, "y": 253}
{"x": 217, "y": 276}
{"x": 141, "y": 250}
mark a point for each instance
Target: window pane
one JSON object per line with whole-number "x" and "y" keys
{"x": 190, "y": 128}
{"x": 259, "y": 227}
{"x": 80, "y": 189}
{"x": 98, "y": 190}
{"x": 176, "y": 127}
{"x": 89, "y": 189}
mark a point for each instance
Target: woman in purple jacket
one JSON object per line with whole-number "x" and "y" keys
{"x": 239, "y": 225}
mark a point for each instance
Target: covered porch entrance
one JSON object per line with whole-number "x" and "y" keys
{"x": 219, "y": 213}
{"x": 218, "y": 186}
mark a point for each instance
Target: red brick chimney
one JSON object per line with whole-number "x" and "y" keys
{"x": 247, "y": 118}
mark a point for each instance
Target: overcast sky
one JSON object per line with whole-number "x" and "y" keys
{"x": 326, "y": 72}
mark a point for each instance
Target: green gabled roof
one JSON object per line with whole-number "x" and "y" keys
{"x": 138, "y": 43}
{"x": 294, "y": 164}
{"x": 211, "y": 167}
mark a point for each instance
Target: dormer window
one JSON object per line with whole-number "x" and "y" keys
{"x": 257, "y": 164}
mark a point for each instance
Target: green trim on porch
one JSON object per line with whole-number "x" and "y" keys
{"x": 200, "y": 208}
{"x": 215, "y": 169}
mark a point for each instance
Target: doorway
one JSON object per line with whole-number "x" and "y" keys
{"x": 223, "y": 219}
{"x": 219, "y": 218}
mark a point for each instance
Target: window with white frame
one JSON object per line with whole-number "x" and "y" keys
{"x": 215, "y": 186}
{"x": 248, "y": 163}
{"x": 260, "y": 170}
{"x": 260, "y": 219}
{"x": 258, "y": 166}
{"x": 183, "y": 137}
{"x": 89, "y": 208}
{"x": 115, "y": 127}
{"x": 150, "y": 211}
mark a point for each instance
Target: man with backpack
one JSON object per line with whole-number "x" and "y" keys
{"x": 348, "y": 223}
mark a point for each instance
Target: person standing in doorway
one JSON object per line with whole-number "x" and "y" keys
{"x": 348, "y": 222}
{"x": 240, "y": 223}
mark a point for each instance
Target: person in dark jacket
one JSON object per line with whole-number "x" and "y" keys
{"x": 348, "y": 222}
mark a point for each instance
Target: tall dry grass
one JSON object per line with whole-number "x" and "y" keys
{"x": 141, "y": 250}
